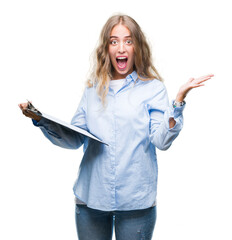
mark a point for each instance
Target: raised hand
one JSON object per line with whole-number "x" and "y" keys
{"x": 192, "y": 83}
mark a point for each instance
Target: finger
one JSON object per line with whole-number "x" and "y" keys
{"x": 211, "y": 75}
{"x": 198, "y": 85}
{"x": 208, "y": 75}
{"x": 200, "y": 80}
{"x": 203, "y": 80}
{"x": 191, "y": 79}
{"x": 205, "y": 77}
{"x": 20, "y": 106}
{"x": 23, "y": 106}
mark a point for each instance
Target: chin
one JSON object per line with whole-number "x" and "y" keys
{"x": 124, "y": 72}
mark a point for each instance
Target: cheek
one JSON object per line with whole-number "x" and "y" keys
{"x": 112, "y": 60}
{"x": 132, "y": 54}
{"x": 111, "y": 53}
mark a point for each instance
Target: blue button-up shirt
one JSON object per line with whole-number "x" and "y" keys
{"x": 122, "y": 175}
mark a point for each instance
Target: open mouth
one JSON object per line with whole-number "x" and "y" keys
{"x": 121, "y": 62}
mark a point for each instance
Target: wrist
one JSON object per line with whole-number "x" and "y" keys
{"x": 37, "y": 118}
{"x": 180, "y": 98}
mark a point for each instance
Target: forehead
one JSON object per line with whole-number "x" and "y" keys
{"x": 120, "y": 31}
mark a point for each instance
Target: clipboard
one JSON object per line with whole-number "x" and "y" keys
{"x": 32, "y": 109}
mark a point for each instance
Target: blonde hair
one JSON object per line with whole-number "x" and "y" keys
{"x": 102, "y": 69}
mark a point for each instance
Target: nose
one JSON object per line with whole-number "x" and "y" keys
{"x": 121, "y": 47}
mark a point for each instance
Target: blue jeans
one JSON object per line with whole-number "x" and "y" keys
{"x": 94, "y": 224}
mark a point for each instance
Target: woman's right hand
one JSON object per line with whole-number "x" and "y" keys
{"x": 23, "y": 107}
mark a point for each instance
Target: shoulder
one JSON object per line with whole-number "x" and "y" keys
{"x": 153, "y": 86}
{"x": 157, "y": 83}
{"x": 89, "y": 90}
{"x": 90, "y": 95}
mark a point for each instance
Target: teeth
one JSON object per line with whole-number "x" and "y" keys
{"x": 121, "y": 58}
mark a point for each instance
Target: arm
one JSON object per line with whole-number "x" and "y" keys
{"x": 167, "y": 121}
{"x": 57, "y": 134}
{"x": 60, "y": 135}
{"x": 162, "y": 132}
{"x": 184, "y": 90}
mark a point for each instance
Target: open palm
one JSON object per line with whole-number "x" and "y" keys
{"x": 192, "y": 83}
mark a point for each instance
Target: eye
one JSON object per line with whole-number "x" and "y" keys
{"x": 128, "y": 42}
{"x": 113, "y": 42}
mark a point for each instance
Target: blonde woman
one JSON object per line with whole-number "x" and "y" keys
{"x": 125, "y": 104}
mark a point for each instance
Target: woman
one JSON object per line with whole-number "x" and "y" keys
{"x": 125, "y": 104}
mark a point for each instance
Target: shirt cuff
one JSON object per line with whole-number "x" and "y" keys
{"x": 40, "y": 123}
{"x": 35, "y": 122}
{"x": 176, "y": 112}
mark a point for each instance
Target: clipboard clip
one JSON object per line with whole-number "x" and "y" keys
{"x": 31, "y": 108}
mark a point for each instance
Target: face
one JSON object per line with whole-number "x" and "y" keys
{"x": 121, "y": 51}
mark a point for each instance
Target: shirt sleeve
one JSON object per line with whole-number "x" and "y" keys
{"x": 62, "y": 136}
{"x": 160, "y": 112}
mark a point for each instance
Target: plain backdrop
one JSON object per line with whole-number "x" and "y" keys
{"x": 45, "y": 49}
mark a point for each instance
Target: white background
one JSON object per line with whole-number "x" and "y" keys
{"x": 44, "y": 57}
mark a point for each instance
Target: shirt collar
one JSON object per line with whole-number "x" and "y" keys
{"x": 132, "y": 77}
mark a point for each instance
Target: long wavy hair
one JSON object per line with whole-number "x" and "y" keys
{"x": 102, "y": 69}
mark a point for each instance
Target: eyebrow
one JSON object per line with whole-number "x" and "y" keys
{"x": 118, "y": 37}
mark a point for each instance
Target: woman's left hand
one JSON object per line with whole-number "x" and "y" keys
{"x": 192, "y": 83}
